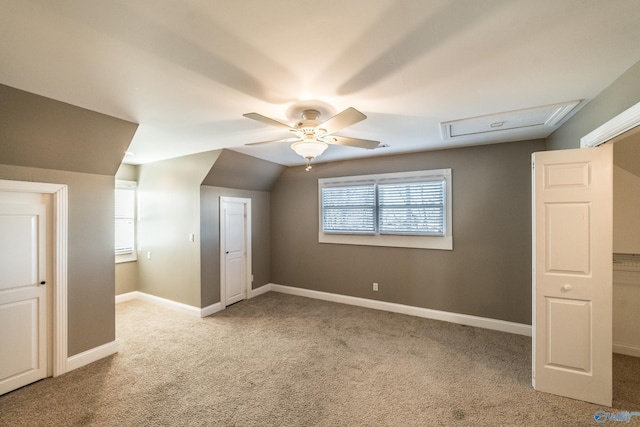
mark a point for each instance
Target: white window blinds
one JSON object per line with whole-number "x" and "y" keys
{"x": 124, "y": 220}
{"x": 349, "y": 209}
{"x": 412, "y": 207}
{"x": 399, "y": 209}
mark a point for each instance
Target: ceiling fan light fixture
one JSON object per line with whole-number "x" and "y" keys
{"x": 309, "y": 150}
{"x": 313, "y": 136}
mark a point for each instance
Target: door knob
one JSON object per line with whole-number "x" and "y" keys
{"x": 566, "y": 288}
{"x": 43, "y": 283}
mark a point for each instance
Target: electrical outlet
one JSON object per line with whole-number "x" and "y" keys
{"x": 375, "y": 286}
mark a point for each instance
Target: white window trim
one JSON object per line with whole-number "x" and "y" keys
{"x": 133, "y": 256}
{"x": 401, "y": 241}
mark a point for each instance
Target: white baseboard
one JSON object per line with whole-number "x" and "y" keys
{"x": 126, "y": 297}
{"x": 90, "y": 356}
{"x": 211, "y": 309}
{"x": 261, "y": 290}
{"x": 172, "y": 305}
{"x": 461, "y": 319}
{"x": 628, "y": 350}
{"x": 167, "y": 303}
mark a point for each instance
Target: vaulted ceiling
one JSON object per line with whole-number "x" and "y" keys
{"x": 187, "y": 71}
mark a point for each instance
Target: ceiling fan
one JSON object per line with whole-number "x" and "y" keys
{"x": 312, "y": 136}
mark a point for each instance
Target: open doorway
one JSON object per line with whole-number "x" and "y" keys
{"x": 626, "y": 244}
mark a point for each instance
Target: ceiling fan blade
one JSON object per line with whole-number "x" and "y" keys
{"x": 267, "y": 120}
{"x": 341, "y": 120}
{"x": 352, "y": 142}
{"x": 275, "y": 140}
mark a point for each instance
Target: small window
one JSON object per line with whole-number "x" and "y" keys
{"x": 125, "y": 221}
{"x": 406, "y": 209}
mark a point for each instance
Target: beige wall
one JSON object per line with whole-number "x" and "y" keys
{"x": 127, "y": 172}
{"x": 626, "y": 212}
{"x": 626, "y": 195}
{"x": 126, "y": 277}
{"x": 91, "y": 309}
{"x": 487, "y": 274}
{"x": 626, "y": 239}
{"x": 210, "y": 235}
{"x": 169, "y": 212}
{"x": 619, "y": 96}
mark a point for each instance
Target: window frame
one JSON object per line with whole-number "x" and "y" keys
{"x": 133, "y": 255}
{"x": 440, "y": 242}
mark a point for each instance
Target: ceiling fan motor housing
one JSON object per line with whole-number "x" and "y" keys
{"x": 309, "y": 120}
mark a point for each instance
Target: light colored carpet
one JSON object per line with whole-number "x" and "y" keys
{"x": 281, "y": 360}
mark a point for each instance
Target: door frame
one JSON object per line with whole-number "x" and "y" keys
{"x": 59, "y": 193}
{"x": 247, "y": 235}
{"x": 617, "y": 126}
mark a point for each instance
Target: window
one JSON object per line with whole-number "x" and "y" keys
{"x": 349, "y": 208}
{"x": 406, "y": 209}
{"x": 125, "y": 220}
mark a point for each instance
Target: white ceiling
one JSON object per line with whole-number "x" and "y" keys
{"x": 186, "y": 71}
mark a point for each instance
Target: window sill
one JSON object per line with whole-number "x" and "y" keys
{"x": 126, "y": 258}
{"x": 419, "y": 242}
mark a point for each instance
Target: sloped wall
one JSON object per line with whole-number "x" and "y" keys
{"x": 619, "y": 96}
{"x": 44, "y": 133}
{"x": 242, "y": 172}
{"x": 236, "y": 175}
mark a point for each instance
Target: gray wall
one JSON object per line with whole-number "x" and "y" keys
{"x": 236, "y": 175}
{"x": 44, "y": 133}
{"x": 210, "y": 235}
{"x": 620, "y": 95}
{"x": 487, "y": 274}
{"x": 237, "y": 170}
{"x": 45, "y": 140}
{"x": 90, "y": 270}
{"x": 169, "y": 211}
{"x": 174, "y": 204}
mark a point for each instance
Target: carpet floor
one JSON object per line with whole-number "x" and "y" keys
{"x": 282, "y": 360}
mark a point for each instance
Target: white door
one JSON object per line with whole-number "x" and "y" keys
{"x": 23, "y": 309}
{"x": 235, "y": 248}
{"x": 572, "y": 273}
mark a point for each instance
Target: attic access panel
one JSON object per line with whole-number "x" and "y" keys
{"x": 547, "y": 115}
